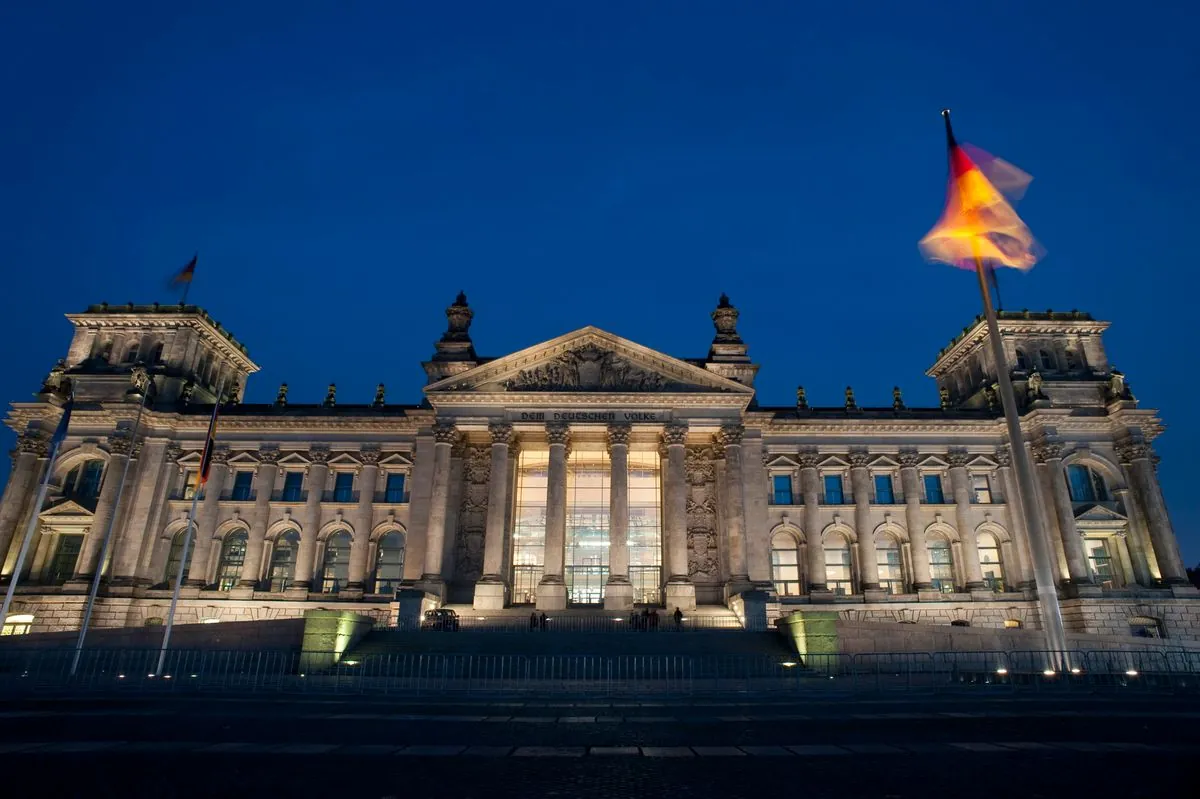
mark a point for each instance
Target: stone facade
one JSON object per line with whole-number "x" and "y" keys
{"x": 588, "y": 470}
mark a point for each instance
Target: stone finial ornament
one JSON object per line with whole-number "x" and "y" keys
{"x": 1118, "y": 386}
{"x": 725, "y": 319}
{"x": 801, "y": 399}
{"x": 56, "y": 381}
{"x": 897, "y": 399}
{"x": 330, "y": 396}
{"x": 281, "y": 397}
{"x": 944, "y": 398}
{"x": 1034, "y": 386}
{"x": 851, "y": 405}
{"x": 378, "y": 401}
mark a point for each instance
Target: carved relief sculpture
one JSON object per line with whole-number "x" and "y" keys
{"x": 472, "y": 515}
{"x": 703, "y": 561}
{"x": 590, "y": 368}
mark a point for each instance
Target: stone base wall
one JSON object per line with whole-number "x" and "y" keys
{"x": 279, "y": 634}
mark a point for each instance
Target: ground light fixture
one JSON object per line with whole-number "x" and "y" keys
{"x": 1131, "y": 672}
{"x": 1048, "y": 673}
{"x": 787, "y": 664}
{"x": 1001, "y": 671}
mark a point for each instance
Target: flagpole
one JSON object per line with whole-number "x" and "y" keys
{"x": 1047, "y": 592}
{"x": 30, "y": 528}
{"x": 108, "y": 534}
{"x": 183, "y": 556}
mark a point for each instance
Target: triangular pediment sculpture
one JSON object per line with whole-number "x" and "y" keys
{"x": 588, "y": 360}
{"x": 66, "y": 510}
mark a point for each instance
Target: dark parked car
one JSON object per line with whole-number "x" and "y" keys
{"x": 440, "y": 619}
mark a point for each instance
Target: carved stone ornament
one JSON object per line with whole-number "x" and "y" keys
{"x": 909, "y": 460}
{"x": 957, "y": 459}
{"x": 281, "y": 397}
{"x": 121, "y": 444}
{"x": 318, "y": 456}
{"x": 34, "y": 443}
{"x": 589, "y": 368}
{"x": 944, "y": 398}
{"x": 618, "y": 434}
{"x": 185, "y": 396}
{"x": 330, "y": 396}
{"x": 1047, "y": 451}
{"x": 851, "y": 405}
{"x": 992, "y": 397}
{"x": 1133, "y": 451}
{"x": 378, "y": 402}
{"x": 897, "y": 399}
{"x": 674, "y": 434}
{"x": 801, "y": 399}
{"x": 558, "y": 433}
{"x": 809, "y": 460}
{"x": 56, "y": 382}
{"x": 1034, "y": 387}
{"x": 1118, "y": 386}
{"x": 221, "y": 456}
{"x": 731, "y": 435}
{"x": 174, "y": 451}
{"x": 725, "y": 319}
{"x": 1003, "y": 457}
{"x": 369, "y": 457}
{"x": 698, "y": 466}
{"x": 859, "y": 460}
{"x": 478, "y": 466}
{"x": 139, "y": 378}
{"x": 445, "y": 433}
{"x": 502, "y": 433}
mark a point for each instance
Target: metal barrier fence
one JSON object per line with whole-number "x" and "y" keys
{"x": 442, "y": 675}
{"x": 611, "y": 623}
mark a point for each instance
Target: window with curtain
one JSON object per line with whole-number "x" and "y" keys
{"x": 781, "y": 485}
{"x": 884, "y": 494}
{"x": 990, "y": 562}
{"x": 933, "y": 489}
{"x": 785, "y": 564}
{"x": 833, "y": 490}
{"x": 941, "y": 565}
{"x": 891, "y": 570}
{"x": 233, "y": 555}
{"x": 838, "y": 565}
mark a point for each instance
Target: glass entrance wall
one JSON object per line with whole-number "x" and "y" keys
{"x": 645, "y": 527}
{"x": 586, "y": 556}
{"x": 529, "y": 525}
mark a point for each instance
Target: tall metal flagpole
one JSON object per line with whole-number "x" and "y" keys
{"x": 1052, "y": 622}
{"x": 108, "y": 533}
{"x": 30, "y": 529}
{"x": 183, "y": 556}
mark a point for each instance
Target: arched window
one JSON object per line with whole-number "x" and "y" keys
{"x": 1087, "y": 485}
{"x": 941, "y": 565}
{"x": 335, "y": 570}
{"x": 837, "y": 565}
{"x": 1073, "y": 362}
{"x": 1022, "y": 361}
{"x": 891, "y": 571}
{"x": 1046, "y": 361}
{"x": 156, "y": 355}
{"x": 174, "y": 560}
{"x": 990, "y": 562}
{"x": 389, "y": 563}
{"x": 283, "y": 560}
{"x": 233, "y": 555}
{"x": 785, "y": 564}
{"x": 83, "y": 482}
{"x": 131, "y": 354}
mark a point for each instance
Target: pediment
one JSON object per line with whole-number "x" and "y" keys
{"x": 66, "y": 510}
{"x": 589, "y": 360}
{"x": 1098, "y": 513}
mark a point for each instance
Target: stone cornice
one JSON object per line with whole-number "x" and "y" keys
{"x": 445, "y": 400}
{"x": 1013, "y": 324}
{"x": 168, "y": 317}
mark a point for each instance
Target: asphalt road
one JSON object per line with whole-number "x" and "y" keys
{"x": 371, "y": 747}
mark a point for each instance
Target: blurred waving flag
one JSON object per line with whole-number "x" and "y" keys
{"x": 186, "y": 274}
{"x": 979, "y": 226}
{"x": 209, "y": 443}
{"x": 60, "y": 432}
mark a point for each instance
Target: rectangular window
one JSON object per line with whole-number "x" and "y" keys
{"x": 837, "y": 569}
{"x": 343, "y": 487}
{"x": 1100, "y": 561}
{"x": 941, "y": 567}
{"x": 394, "y": 491}
{"x": 587, "y": 544}
{"x": 833, "y": 490}
{"x": 243, "y": 482}
{"x": 785, "y": 570}
{"x": 981, "y": 489}
{"x": 782, "y": 489}
{"x": 645, "y": 527}
{"x": 933, "y": 489}
{"x": 190, "y": 477}
{"x": 883, "y": 490}
{"x": 891, "y": 570}
{"x": 293, "y": 482}
{"x": 62, "y": 565}
{"x": 529, "y": 525}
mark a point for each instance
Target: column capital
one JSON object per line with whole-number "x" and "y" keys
{"x": 731, "y": 435}
{"x": 675, "y": 434}
{"x": 445, "y": 433}
{"x": 33, "y": 443}
{"x": 1047, "y": 451}
{"x": 268, "y": 457}
{"x": 909, "y": 459}
{"x": 859, "y": 460}
{"x": 809, "y": 460}
{"x": 618, "y": 434}
{"x": 502, "y": 433}
{"x": 1003, "y": 457}
{"x": 1134, "y": 451}
{"x": 121, "y": 443}
{"x": 174, "y": 451}
{"x": 957, "y": 460}
{"x": 558, "y": 433}
{"x": 220, "y": 457}
{"x": 318, "y": 456}
{"x": 370, "y": 456}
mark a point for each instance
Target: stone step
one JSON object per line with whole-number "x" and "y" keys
{"x": 527, "y": 642}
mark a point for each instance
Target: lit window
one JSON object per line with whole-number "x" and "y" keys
{"x": 1086, "y": 484}
{"x": 887, "y": 557}
{"x": 933, "y": 489}
{"x": 190, "y": 479}
{"x": 1144, "y": 627}
{"x": 233, "y": 555}
{"x": 343, "y": 487}
{"x": 941, "y": 565}
{"x": 785, "y": 565}
{"x": 529, "y": 525}
{"x": 1100, "y": 562}
{"x": 243, "y": 484}
{"x": 394, "y": 490}
{"x": 837, "y": 565}
{"x": 283, "y": 560}
{"x": 981, "y": 490}
{"x": 833, "y": 490}
{"x": 66, "y": 555}
{"x": 293, "y": 482}
{"x": 176, "y": 570}
{"x": 335, "y": 569}
{"x": 782, "y": 485}
{"x": 884, "y": 495}
{"x": 1013, "y": 624}
{"x": 990, "y": 563}
{"x": 389, "y": 563}
{"x": 17, "y": 624}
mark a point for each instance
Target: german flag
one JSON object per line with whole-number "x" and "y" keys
{"x": 209, "y": 443}
{"x": 185, "y": 275}
{"x": 979, "y": 227}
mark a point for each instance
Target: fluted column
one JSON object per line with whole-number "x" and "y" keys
{"x": 306, "y": 553}
{"x": 860, "y": 484}
{"x": 680, "y": 593}
{"x": 20, "y": 488}
{"x": 618, "y": 593}
{"x": 1020, "y": 573}
{"x": 1150, "y": 500}
{"x": 106, "y": 506}
{"x": 1051, "y": 455}
{"x": 444, "y": 436}
{"x": 1141, "y": 551}
{"x": 810, "y": 488}
{"x": 730, "y": 440}
{"x": 552, "y": 590}
{"x": 910, "y": 484}
{"x": 364, "y": 518}
{"x": 207, "y": 517}
{"x": 264, "y": 484}
{"x": 960, "y": 484}
{"x": 490, "y": 589}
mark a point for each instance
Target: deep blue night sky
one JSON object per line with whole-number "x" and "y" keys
{"x": 344, "y": 173}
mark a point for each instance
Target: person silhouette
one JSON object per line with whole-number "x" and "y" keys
{"x": 543, "y": 621}
{"x": 678, "y": 618}
{"x": 533, "y": 620}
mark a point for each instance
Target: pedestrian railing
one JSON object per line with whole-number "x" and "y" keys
{"x": 609, "y": 623}
{"x": 24, "y": 671}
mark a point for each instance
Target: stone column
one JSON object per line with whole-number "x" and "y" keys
{"x": 364, "y": 520}
{"x": 1050, "y": 454}
{"x": 680, "y": 593}
{"x": 106, "y": 507}
{"x": 552, "y": 590}
{"x": 1150, "y": 500}
{"x": 207, "y": 517}
{"x": 618, "y": 593}
{"x": 910, "y": 484}
{"x": 1138, "y": 537}
{"x": 810, "y": 488}
{"x": 860, "y": 484}
{"x": 306, "y": 553}
{"x": 20, "y": 489}
{"x": 145, "y": 566}
{"x": 1021, "y": 573}
{"x": 491, "y": 589}
{"x": 730, "y": 440}
{"x": 444, "y": 436}
{"x": 264, "y": 484}
{"x": 961, "y": 486}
